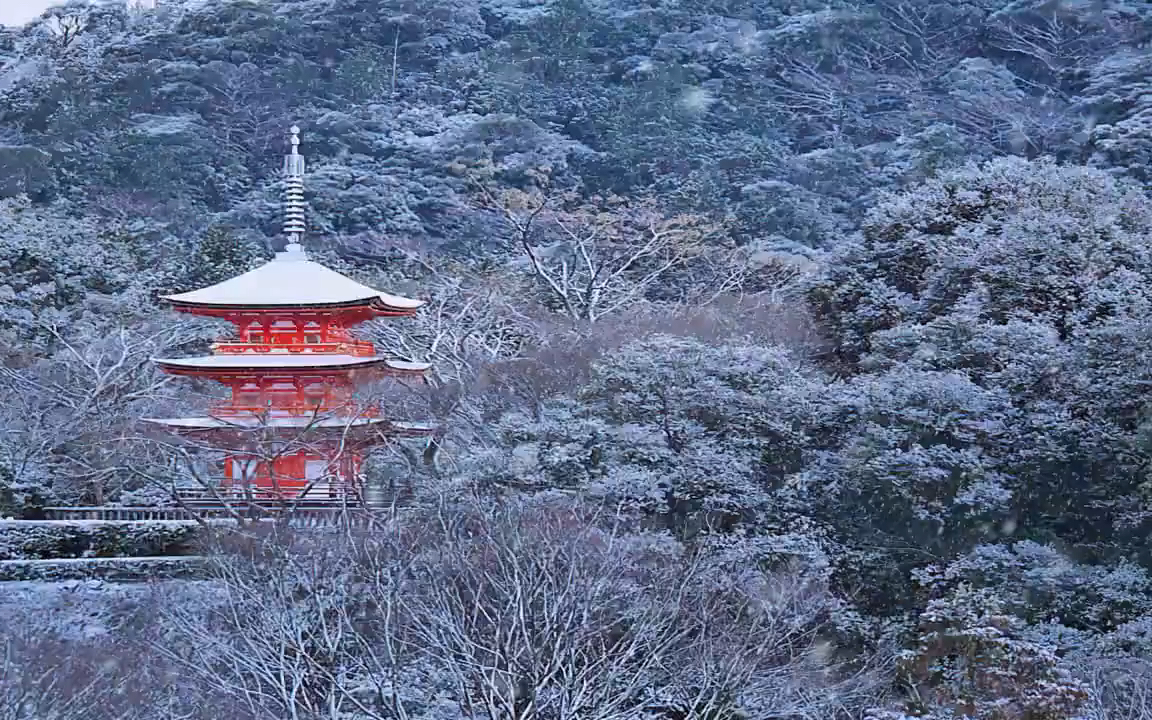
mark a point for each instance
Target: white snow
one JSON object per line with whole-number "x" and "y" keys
{"x": 287, "y": 361}
{"x": 406, "y": 365}
{"x": 153, "y": 560}
{"x": 291, "y": 279}
{"x": 253, "y": 422}
{"x": 428, "y": 427}
{"x": 19, "y": 71}
{"x": 57, "y": 523}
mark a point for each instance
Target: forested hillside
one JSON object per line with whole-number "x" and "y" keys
{"x": 842, "y": 310}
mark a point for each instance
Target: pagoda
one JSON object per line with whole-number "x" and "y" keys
{"x": 291, "y": 427}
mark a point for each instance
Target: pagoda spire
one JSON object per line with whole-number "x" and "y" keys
{"x": 294, "y": 196}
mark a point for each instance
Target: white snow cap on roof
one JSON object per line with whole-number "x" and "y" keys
{"x": 291, "y": 280}
{"x": 288, "y": 361}
{"x": 253, "y": 421}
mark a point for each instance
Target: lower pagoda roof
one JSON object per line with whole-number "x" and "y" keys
{"x": 299, "y": 421}
{"x": 287, "y": 361}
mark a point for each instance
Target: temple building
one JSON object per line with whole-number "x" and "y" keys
{"x": 292, "y": 426}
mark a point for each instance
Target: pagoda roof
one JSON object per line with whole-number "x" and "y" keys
{"x": 254, "y": 422}
{"x": 297, "y": 421}
{"x": 287, "y": 361}
{"x": 292, "y": 280}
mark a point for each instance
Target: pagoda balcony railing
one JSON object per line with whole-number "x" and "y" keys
{"x": 353, "y": 348}
{"x": 297, "y": 410}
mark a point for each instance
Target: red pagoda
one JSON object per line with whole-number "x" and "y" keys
{"x": 291, "y": 427}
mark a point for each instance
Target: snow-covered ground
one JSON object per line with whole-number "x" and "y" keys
{"x": 88, "y": 608}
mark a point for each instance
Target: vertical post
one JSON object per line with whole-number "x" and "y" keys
{"x": 355, "y": 486}
{"x": 227, "y": 480}
{"x": 395, "y": 59}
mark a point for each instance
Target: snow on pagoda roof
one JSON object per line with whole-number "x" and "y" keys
{"x": 291, "y": 280}
{"x": 298, "y": 421}
{"x": 247, "y": 361}
{"x": 411, "y": 366}
{"x": 415, "y": 426}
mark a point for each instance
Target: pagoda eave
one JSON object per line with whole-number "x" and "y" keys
{"x": 368, "y": 307}
{"x": 364, "y": 428}
{"x": 293, "y": 364}
{"x": 291, "y": 281}
{"x": 414, "y": 430}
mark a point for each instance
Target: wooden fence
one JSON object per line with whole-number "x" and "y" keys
{"x": 312, "y": 516}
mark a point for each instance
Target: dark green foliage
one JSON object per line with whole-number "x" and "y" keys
{"x": 704, "y": 102}
{"x": 220, "y": 255}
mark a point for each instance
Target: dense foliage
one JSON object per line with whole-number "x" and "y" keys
{"x": 94, "y": 539}
{"x": 851, "y": 296}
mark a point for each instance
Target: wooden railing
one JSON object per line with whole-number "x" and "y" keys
{"x": 355, "y": 348}
{"x": 115, "y": 513}
{"x": 311, "y": 516}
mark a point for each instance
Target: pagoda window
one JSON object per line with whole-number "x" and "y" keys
{"x": 312, "y": 339}
{"x": 256, "y": 338}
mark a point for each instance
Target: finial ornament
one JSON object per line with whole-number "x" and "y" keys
{"x": 294, "y": 205}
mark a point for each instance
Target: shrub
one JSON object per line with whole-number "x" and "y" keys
{"x": 134, "y": 569}
{"x": 47, "y": 539}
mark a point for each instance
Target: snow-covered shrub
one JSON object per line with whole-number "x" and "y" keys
{"x": 51, "y": 539}
{"x": 120, "y": 569}
{"x": 691, "y": 434}
{"x": 971, "y": 660}
{"x": 538, "y": 600}
{"x": 85, "y": 649}
{"x": 1043, "y": 586}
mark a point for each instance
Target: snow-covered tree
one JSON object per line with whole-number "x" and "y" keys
{"x": 1029, "y": 241}
{"x": 1027, "y": 285}
{"x": 538, "y": 608}
{"x": 1119, "y": 113}
{"x": 972, "y": 662}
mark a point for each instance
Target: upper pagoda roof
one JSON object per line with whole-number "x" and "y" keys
{"x": 292, "y": 280}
